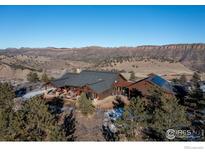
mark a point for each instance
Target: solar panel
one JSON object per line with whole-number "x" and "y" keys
{"x": 161, "y": 82}
{"x": 158, "y": 80}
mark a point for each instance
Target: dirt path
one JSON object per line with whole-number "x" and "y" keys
{"x": 89, "y": 128}
{"x": 107, "y": 103}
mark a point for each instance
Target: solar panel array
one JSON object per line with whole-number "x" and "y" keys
{"x": 159, "y": 81}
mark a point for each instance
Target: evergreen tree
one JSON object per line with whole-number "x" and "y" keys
{"x": 183, "y": 79}
{"x": 196, "y": 98}
{"x": 170, "y": 115}
{"x": 68, "y": 126}
{"x": 6, "y": 109}
{"x": 33, "y": 77}
{"x": 175, "y": 80}
{"x": 164, "y": 112}
{"x": 52, "y": 78}
{"x": 85, "y": 105}
{"x": 6, "y": 95}
{"x": 45, "y": 78}
{"x": 196, "y": 78}
{"x": 133, "y": 118}
{"x": 132, "y": 75}
{"x": 33, "y": 122}
{"x": 108, "y": 134}
{"x": 152, "y": 116}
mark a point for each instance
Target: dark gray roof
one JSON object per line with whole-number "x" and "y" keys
{"x": 66, "y": 75}
{"x": 98, "y": 81}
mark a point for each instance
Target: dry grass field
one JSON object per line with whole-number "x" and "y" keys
{"x": 145, "y": 67}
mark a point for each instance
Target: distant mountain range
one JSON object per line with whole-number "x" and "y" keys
{"x": 190, "y": 55}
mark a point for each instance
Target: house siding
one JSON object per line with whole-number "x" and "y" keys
{"x": 143, "y": 86}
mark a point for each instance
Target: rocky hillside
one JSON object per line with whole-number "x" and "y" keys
{"x": 169, "y": 60}
{"x": 190, "y": 55}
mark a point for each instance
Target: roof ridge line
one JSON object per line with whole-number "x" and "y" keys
{"x": 95, "y": 82}
{"x": 100, "y": 71}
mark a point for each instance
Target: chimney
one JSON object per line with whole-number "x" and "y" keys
{"x": 151, "y": 74}
{"x": 78, "y": 70}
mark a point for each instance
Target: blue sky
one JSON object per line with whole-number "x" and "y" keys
{"x": 109, "y": 26}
